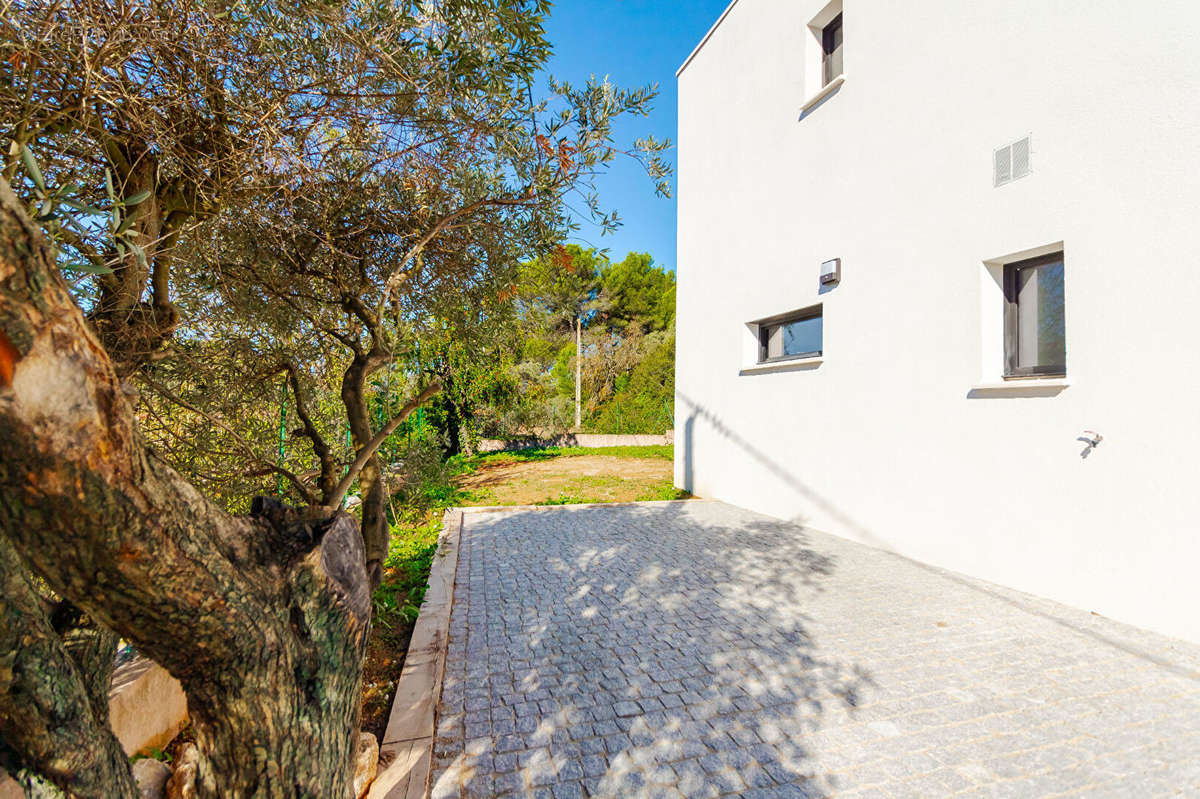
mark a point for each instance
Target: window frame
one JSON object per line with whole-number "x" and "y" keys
{"x": 1012, "y": 322}
{"x": 764, "y": 326}
{"x": 827, "y": 32}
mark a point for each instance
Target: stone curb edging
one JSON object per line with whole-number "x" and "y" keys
{"x": 407, "y": 743}
{"x": 578, "y": 505}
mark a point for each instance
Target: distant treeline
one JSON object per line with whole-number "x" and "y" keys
{"x": 625, "y": 311}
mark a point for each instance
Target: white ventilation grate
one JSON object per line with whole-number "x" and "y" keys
{"x": 1020, "y": 158}
{"x": 1012, "y": 161}
{"x": 1004, "y": 165}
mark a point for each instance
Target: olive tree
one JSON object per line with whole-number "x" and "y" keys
{"x": 292, "y": 188}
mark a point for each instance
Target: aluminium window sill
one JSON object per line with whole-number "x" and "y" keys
{"x": 784, "y": 365}
{"x": 823, "y": 92}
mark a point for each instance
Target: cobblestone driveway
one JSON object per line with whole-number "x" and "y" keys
{"x": 697, "y": 649}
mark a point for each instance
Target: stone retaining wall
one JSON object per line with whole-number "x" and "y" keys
{"x": 576, "y": 440}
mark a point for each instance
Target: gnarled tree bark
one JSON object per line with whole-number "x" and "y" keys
{"x": 263, "y": 619}
{"x": 131, "y": 329}
{"x": 53, "y": 714}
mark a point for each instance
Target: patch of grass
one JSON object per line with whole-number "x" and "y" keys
{"x": 568, "y": 499}
{"x": 397, "y": 601}
{"x": 663, "y": 493}
{"x": 578, "y": 489}
{"x": 664, "y": 452}
{"x": 411, "y": 548}
{"x": 598, "y": 480}
{"x": 150, "y": 753}
{"x": 653, "y": 495}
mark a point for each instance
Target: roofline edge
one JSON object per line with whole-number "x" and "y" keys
{"x": 706, "y": 37}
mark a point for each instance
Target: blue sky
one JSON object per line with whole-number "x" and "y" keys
{"x": 635, "y": 43}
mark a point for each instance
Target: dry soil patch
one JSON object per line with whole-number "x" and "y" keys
{"x": 579, "y": 478}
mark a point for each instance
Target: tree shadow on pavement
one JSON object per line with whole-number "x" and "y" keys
{"x": 637, "y": 650}
{"x": 1125, "y": 638}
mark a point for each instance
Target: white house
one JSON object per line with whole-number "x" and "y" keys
{"x": 939, "y": 286}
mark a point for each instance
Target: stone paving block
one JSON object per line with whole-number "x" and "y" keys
{"x": 727, "y": 781}
{"x": 512, "y": 782}
{"x": 625, "y": 709}
{"x": 696, "y": 649}
{"x": 568, "y": 790}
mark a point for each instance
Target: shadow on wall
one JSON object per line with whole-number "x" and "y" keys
{"x": 689, "y": 446}
{"x": 629, "y": 637}
{"x": 688, "y": 442}
{"x": 1024, "y": 602}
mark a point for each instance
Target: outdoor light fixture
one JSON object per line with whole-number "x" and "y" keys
{"x": 831, "y": 271}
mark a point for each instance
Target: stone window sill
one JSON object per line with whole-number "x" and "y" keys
{"x": 825, "y": 91}
{"x": 1034, "y": 386}
{"x": 789, "y": 365}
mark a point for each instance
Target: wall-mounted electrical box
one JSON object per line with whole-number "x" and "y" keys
{"x": 831, "y": 271}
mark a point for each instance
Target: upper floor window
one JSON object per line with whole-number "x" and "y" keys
{"x": 1035, "y": 333}
{"x": 831, "y": 50}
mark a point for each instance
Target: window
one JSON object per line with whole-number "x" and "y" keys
{"x": 831, "y": 50}
{"x": 823, "y": 56}
{"x": 796, "y": 335}
{"x": 1035, "y": 337}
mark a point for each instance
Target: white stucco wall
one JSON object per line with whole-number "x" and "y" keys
{"x": 882, "y": 441}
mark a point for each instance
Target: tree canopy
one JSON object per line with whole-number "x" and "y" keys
{"x": 627, "y": 313}
{"x": 639, "y": 292}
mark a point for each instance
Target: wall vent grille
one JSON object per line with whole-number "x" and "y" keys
{"x": 1004, "y": 165}
{"x": 1020, "y": 158}
{"x": 1013, "y": 161}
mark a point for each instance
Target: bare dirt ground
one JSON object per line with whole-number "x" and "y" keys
{"x": 580, "y": 478}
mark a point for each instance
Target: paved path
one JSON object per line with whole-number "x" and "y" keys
{"x": 697, "y": 649}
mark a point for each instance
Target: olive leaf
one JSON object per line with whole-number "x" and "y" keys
{"x": 32, "y": 168}
{"x": 91, "y": 269}
{"x": 140, "y": 253}
{"x": 83, "y": 207}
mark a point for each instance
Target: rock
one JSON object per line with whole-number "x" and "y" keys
{"x": 182, "y": 784}
{"x": 151, "y": 776}
{"x": 365, "y": 763}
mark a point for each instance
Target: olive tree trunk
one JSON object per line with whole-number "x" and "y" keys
{"x": 54, "y": 696}
{"x": 370, "y": 478}
{"x": 263, "y": 619}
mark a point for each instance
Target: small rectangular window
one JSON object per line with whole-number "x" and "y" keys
{"x": 831, "y": 50}
{"x": 796, "y": 335}
{"x": 1035, "y": 336}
